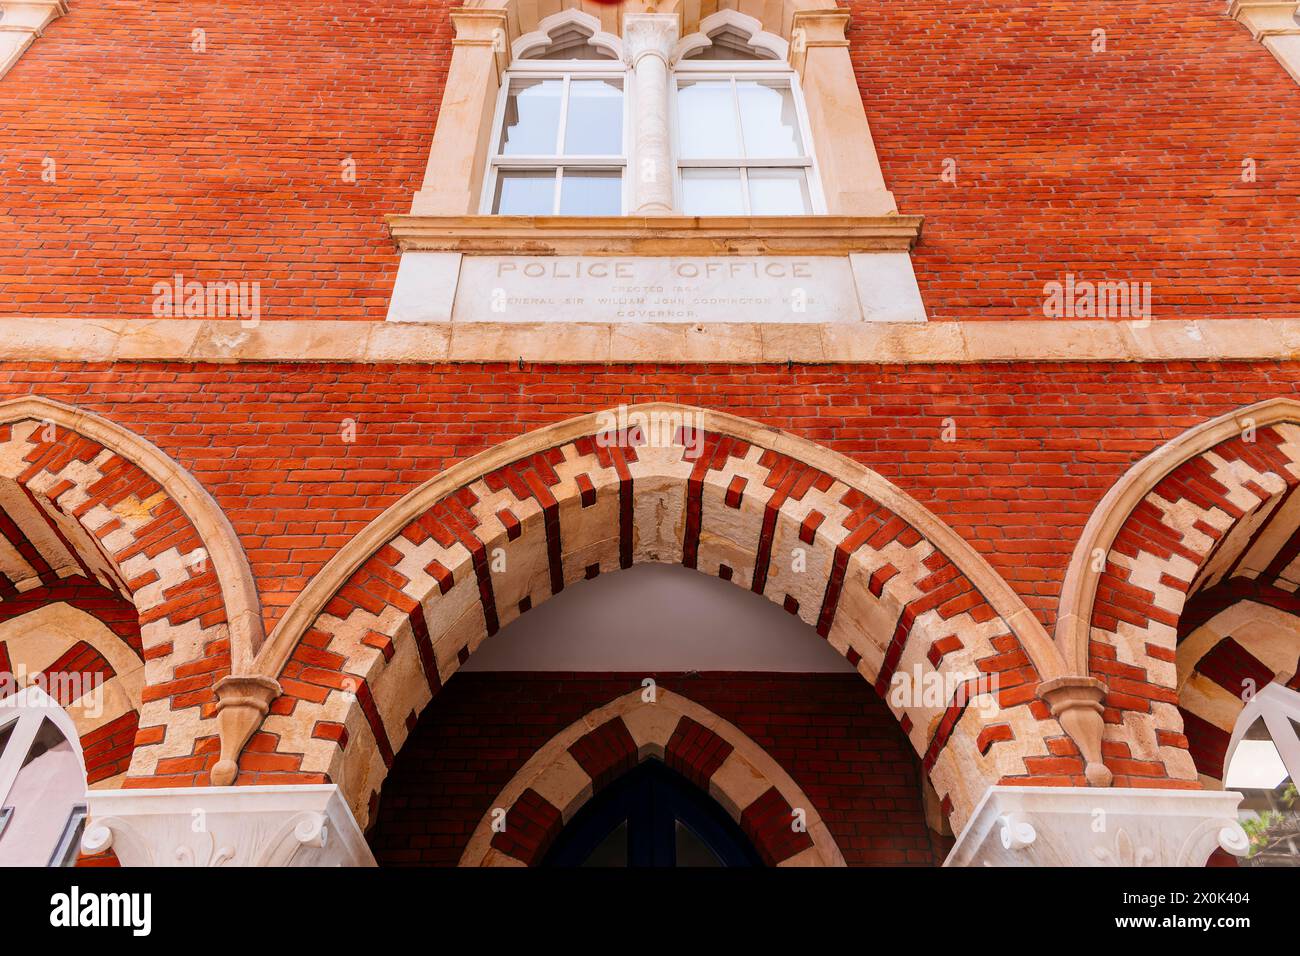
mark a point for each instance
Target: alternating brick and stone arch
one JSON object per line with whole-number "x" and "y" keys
{"x": 116, "y": 565}
{"x": 1181, "y": 595}
{"x": 651, "y": 723}
{"x": 392, "y": 617}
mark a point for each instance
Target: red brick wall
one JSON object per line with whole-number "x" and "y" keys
{"x": 831, "y": 733}
{"x": 224, "y": 165}
{"x": 1036, "y": 445}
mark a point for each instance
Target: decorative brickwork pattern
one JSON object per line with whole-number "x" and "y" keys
{"x": 273, "y": 207}
{"x": 589, "y": 755}
{"x": 84, "y": 527}
{"x": 864, "y": 577}
{"x": 1195, "y": 606}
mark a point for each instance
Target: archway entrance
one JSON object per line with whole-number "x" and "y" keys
{"x": 911, "y": 607}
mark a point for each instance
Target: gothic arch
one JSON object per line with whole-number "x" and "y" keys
{"x": 711, "y": 752}
{"x": 1181, "y": 588}
{"x": 94, "y": 516}
{"x": 388, "y": 621}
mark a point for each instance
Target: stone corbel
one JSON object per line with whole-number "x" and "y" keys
{"x": 226, "y": 826}
{"x": 1083, "y": 826}
{"x": 1077, "y": 703}
{"x": 1276, "y": 25}
{"x": 242, "y": 702}
{"x": 21, "y": 22}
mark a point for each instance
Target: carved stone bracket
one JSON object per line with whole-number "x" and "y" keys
{"x": 242, "y": 702}
{"x": 1077, "y": 703}
{"x": 226, "y": 826}
{"x": 1085, "y": 826}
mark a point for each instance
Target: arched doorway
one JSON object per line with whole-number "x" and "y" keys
{"x": 380, "y": 631}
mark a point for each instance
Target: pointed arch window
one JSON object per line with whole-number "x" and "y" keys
{"x": 42, "y": 782}
{"x": 1263, "y": 763}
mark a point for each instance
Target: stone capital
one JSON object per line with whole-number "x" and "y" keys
{"x": 308, "y": 825}
{"x": 649, "y": 34}
{"x": 1085, "y": 826}
{"x": 819, "y": 28}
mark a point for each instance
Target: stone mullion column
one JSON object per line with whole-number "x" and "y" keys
{"x": 648, "y": 42}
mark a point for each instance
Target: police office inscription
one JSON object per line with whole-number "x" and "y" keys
{"x": 598, "y": 289}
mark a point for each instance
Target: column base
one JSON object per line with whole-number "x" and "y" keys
{"x": 307, "y": 825}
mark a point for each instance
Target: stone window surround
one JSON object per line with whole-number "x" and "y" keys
{"x": 864, "y": 275}
{"x": 650, "y": 59}
{"x": 21, "y": 22}
{"x": 1276, "y": 25}
{"x": 488, "y": 36}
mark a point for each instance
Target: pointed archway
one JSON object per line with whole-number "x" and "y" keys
{"x": 142, "y": 566}
{"x": 909, "y": 604}
{"x": 1182, "y": 593}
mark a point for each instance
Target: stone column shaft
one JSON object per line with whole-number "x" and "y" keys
{"x": 648, "y": 42}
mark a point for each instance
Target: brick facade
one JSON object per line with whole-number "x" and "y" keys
{"x": 1109, "y": 140}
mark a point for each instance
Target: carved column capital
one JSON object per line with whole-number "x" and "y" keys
{"x": 1082, "y": 826}
{"x": 308, "y": 825}
{"x": 649, "y": 34}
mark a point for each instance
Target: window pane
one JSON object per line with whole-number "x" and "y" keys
{"x": 768, "y": 118}
{"x": 591, "y": 192}
{"x": 778, "y": 192}
{"x": 706, "y": 120}
{"x": 612, "y": 850}
{"x": 525, "y": 192}
{"x": 691, "y": 850}
{"x": 595, "y": 122}
{"x": 532, "y": 120}
{"x": 1269, "y": 811}
{"x": 712, "y": 192}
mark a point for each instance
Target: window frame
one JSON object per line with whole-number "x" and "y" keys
{"x": 776, "y": 71}
{"x": 565, "y": 70}
{"x": 1278, "y": 706}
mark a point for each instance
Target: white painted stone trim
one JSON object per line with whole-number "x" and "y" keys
{"x": 759, "y": 38}
{"x": 538, "y": 40}
{"x": 110, "y": 339}
{"x": 1276, "y": 25}
{"x": 21, "y": 22}
{"x": 307, "y": 825}
{"x": 1098, "y": 826}
{"x": 836, "y": 289}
